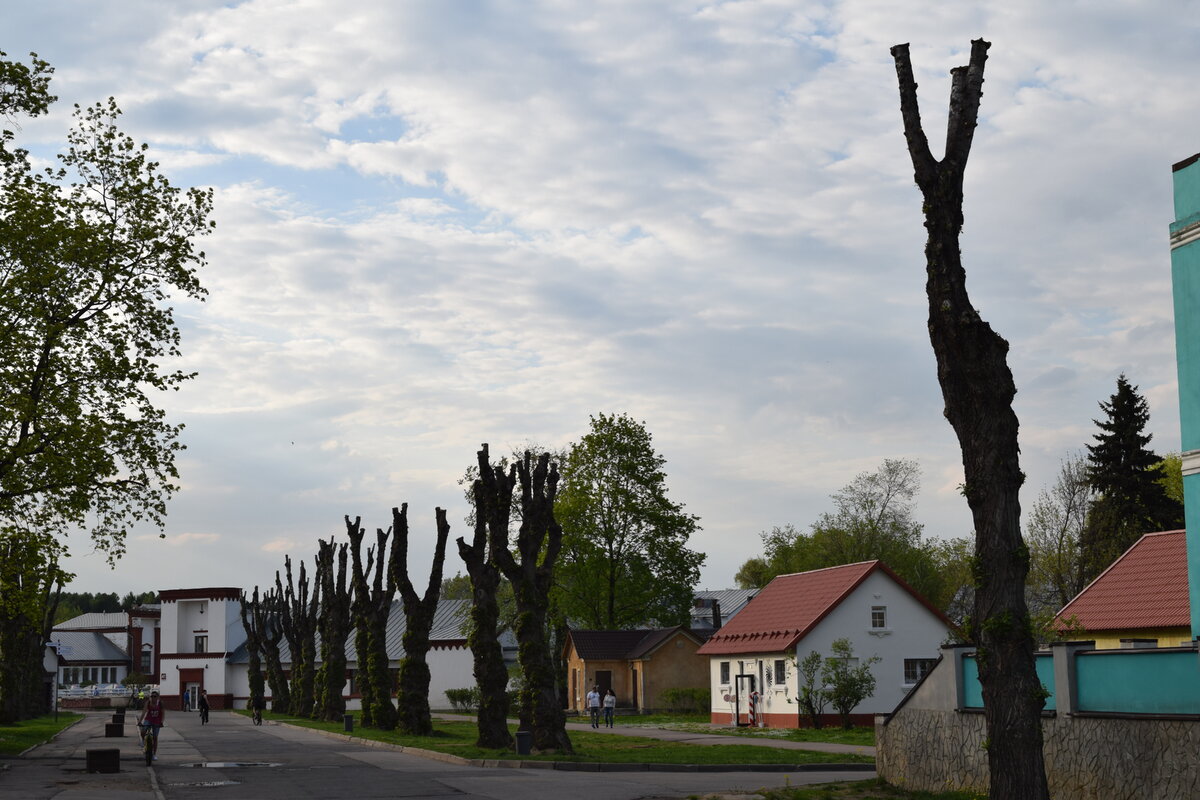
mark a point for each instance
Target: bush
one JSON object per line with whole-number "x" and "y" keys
{"x": 464, "y": 700}
{"x": 687, "y": 701}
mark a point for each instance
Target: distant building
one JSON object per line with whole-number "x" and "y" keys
{"x": 1141, "y": 600}
{"x": 638, "y": 665}
{"x": 726, "y": 602}
{"x": 105, "y": 647}
{"x": 797, "y": 614}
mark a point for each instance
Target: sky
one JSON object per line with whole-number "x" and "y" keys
{"x": 447, "y": 223}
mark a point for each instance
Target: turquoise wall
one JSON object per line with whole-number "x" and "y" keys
{"x": 1137, "y": 682}
{"x": 1185, "y": 280}
{"x": 973, "y": 691}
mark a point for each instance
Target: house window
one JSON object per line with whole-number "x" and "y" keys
{"x": 916, "y": 668}
{"x": 147, "y": 656}
{"x": 878, "y": 617}
{"x": 724, "y": 673}
{"x": 780, "y": 672}
{"x": 201, "y": 644}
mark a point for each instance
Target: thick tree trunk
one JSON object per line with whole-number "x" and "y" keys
{"x": 360, "y": 611}
{"x": 270, "y": 632}
{"x": 492, "y": 510}
{"x": 538, "y": 543}
{"x": 251, "y": 614}
{"x": 412, "y": 696}
{"x": 300, "y": 628}
{"x": 978, "y": 390}
{"x": 334, "y": 624}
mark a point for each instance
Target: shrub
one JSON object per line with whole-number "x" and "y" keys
{"x": 464, "y": 700}
{"x": 687, "y": 700}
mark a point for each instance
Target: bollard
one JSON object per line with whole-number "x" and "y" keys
{"x": 114, "y": 729}
{"x": 524, "y": 742}
{"x": 348, "y": 723}
{"x": 103, "y": 760}
{"x": 118, "y": 719}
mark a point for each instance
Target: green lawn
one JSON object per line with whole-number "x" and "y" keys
{"x": 458, "y": 738}
{"x": 699, "y": 723}
{"x": 23, "y": 735}
{"x": 861, "y": 790}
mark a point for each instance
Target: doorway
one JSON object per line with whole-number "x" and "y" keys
{"x": 744, "y": 684}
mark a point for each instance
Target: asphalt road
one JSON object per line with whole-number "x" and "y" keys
{"x": 304, "y": 764}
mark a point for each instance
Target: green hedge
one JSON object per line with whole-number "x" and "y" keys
{"x": 687, "y": 701}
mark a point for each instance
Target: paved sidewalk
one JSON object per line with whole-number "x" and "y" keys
{"x": 715, "y": 738}
{"x": 56, "y": 770}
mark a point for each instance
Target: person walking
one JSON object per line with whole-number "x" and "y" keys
{"x": 203, "y": 706}
{"x": 154, "y": 716}
{"x": 593, "y": 705}
{"x": 610, "y": 707}
{"x": 187, "y": 705}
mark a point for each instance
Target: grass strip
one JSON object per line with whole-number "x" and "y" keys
{"x": 19, "y": 737}
{"x": 694, "y": 724}
{"x": 875, "y": 789}
{"x": 458, "y": 738}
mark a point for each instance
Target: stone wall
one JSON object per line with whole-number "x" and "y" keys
{"x": 930, "y": 744}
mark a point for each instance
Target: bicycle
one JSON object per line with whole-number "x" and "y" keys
{"x": 147, "y": 733}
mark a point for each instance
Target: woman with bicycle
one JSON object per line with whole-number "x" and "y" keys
{"x": 152, "y": 718}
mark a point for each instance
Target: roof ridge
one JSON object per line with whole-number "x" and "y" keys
{"x": 827, "y": 569}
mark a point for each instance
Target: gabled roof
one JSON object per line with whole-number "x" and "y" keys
{"x": 622, "y": 645}
{"x": 86, "y": 646}
{"x": 97, "y": 620}
{"x": 790, "y": 606}
{"x": 1147, "y": 587}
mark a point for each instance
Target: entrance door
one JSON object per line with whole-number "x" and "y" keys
{"x": 743, "y": 685}
{"x": 193, "y": 689}
{"x": 604, "y": 680}
{"x": 634, "y": 693}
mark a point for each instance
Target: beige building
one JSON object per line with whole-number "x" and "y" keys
{"x": 639, "y": 665}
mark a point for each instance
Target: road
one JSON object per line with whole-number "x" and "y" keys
{"x": 304, "y": 764}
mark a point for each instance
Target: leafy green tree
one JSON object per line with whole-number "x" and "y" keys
{"x": 848, "y": 681}
{"x": 1054, "y": 527}
{"x": 457, "y": 587}
{"x": 1121, "y": 469}
{"x": 1170, "y": 475}
{"x": 626, "y": 559}
{"x": 873, "y": 518}
{"x": 812, "y": 694}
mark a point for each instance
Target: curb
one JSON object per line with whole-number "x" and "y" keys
{"x": 577, "y": 766}
{"x": 52, "y": 738}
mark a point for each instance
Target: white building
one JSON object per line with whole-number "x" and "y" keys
{"x": 793, "y": 615}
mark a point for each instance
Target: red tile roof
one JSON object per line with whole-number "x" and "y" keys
{"x": 790, "y": 606}
{"x": 1147, "y": 587}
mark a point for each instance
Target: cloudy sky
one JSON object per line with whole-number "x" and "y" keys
{"x": 447, "y": 223}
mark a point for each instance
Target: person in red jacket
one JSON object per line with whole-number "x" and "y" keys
{"x": 153, "y": 716}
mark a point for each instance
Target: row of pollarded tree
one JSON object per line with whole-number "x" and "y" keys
{"x": 336, "y": 604}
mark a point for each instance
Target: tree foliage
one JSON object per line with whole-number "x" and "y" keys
{"x": 873, "y": 518}
{"x": 625, "y": 557}
{"x": 848, "y": 680}
{"x": 812, "y": 694}
{"x": 1054, "y": 528}
{"x": 1131, "y": 500}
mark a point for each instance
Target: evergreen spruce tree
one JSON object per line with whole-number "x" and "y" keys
{"x": 1121, "y": 469}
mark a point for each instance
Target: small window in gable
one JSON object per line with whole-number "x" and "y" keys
{"x": 724, "y": 673}
{"x": 916, "y": 668}
{"x": 780, "y": 672}
{"x": 878, "y": 617}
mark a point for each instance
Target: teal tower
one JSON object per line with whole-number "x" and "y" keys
{"x": 1185, "y": 280}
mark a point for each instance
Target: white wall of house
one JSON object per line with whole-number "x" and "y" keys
{"x": 911, "y": 632}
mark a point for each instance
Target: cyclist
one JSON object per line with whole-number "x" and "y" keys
{"x": 153, "y": 717}
{"x": 203, "y": 704}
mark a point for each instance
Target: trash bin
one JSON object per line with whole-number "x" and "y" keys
{"x": 348, "y": 723}
{"x": 524, "y": 742}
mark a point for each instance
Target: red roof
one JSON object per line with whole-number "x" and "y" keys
{"x": 1147, "y": 587}
{"x": 790, "y": 606}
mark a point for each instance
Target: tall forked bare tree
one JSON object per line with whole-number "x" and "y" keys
{"x": 247, "y": 610}
{"x": 268, "y": 623}
{"x": 334, "y": 625}
{"x": 539, "y": 543}
{"x": 492, "y": 495}
{"x": 978, "y": 389}
{"x": 298, "y": 615}
{"x": 371, "y": 606}
{"x": 412, "y": 696}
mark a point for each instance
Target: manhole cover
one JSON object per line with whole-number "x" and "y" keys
{"x": 231, "y": 764}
